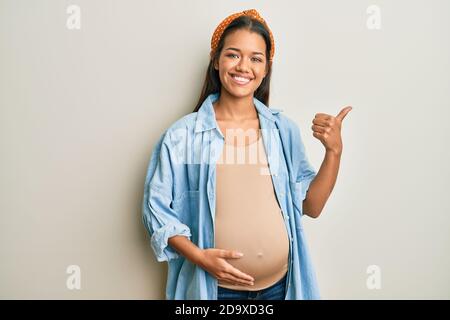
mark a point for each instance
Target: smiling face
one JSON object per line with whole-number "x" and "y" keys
{"x": 242, "y": 63}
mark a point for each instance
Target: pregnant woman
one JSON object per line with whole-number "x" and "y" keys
{"x": 249, "y": 219}
{"x": 228, "y": 184}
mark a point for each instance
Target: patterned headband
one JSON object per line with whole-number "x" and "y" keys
{"x": 224, "y": 24}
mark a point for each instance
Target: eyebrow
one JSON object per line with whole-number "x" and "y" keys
{"x": 236, "y": 49}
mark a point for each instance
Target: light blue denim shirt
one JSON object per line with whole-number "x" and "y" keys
{"x": 180, "y": 197}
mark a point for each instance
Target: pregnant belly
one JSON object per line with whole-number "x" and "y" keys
{"x": 265, "y": 248}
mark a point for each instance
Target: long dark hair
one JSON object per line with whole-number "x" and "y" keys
{"x": 212, "y": 82}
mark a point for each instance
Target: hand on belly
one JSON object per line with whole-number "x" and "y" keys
{"x": 263, "y": 239}
{"x": 260, "y": 263}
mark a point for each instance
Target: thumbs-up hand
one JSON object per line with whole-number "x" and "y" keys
{"x": 327, "y": 129}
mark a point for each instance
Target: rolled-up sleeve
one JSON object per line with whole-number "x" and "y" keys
{"x": 159, "y": 219}
{"x": 304, "y": 172}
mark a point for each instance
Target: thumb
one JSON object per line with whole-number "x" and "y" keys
{"x": 343, "y": 113}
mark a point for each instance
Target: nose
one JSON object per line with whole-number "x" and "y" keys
{"x": 242, "y": 66}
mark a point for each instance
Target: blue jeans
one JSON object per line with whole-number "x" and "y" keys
{"x": 274, "y": 292}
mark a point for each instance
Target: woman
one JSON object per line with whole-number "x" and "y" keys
{"x": 232, "y": 229}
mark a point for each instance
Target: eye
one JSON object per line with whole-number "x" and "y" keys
{"x": 257, "y": 59}
{"x": 231, "y": 54}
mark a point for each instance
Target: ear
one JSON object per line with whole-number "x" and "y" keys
{"x": 267, "y": 69}
{"x": 270, "y": 65}
{"x": 215, "y": 63}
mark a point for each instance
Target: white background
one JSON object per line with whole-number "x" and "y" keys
{"x": 82, "y": 109}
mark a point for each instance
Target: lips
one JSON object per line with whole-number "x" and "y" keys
{"x": 242, "y": 81}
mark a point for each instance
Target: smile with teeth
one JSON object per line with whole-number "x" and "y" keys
{"x": 240, "y": 80}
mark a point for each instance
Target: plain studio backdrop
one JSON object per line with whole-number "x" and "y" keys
{"x": 81, "y": 110}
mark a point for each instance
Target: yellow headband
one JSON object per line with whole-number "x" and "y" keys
{"x": 224, "y": 24}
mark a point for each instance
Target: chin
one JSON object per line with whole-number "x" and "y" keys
{"x": 240, "y": 92}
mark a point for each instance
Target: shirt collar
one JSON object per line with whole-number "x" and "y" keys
{"x": 206, "y": 118}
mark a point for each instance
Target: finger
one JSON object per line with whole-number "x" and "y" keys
{"x": 322, "y": 116}
{"x": 238, "y": 281}
{"x": 320, "y": 129}
{"x": 318, "y": 135}
{"x": 343, "y": 113}
{"x": 322, "y": 122}
{"x": 239, "y": 274}
{"x": 229, "y": 281}
{"x": 231, "y": 254}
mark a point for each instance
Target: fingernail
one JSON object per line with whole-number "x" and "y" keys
{"x": 239, "y": 254}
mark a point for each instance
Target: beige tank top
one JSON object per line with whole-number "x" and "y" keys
{"x": 248, "y": 216}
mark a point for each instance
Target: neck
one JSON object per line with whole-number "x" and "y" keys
{"x": 228, "y": 107}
